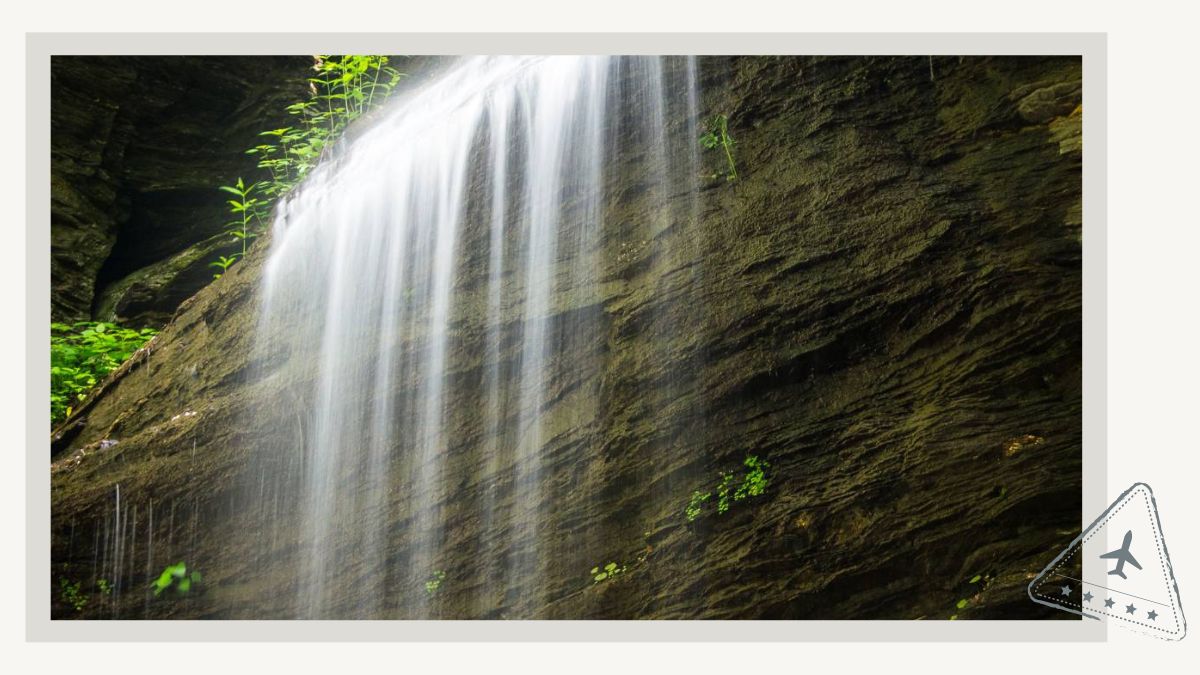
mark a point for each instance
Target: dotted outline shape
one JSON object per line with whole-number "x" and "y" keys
{"x": 1144, "y": 491}
{"x": 1079, "y": 546}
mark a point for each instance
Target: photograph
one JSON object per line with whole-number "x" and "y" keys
{"x": 602, "y": 336}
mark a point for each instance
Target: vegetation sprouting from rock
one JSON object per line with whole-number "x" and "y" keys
{"x": 434, "y": 583}
{"x": 753, "y": 483}
{"x": 176, "y": 576}
{"x": 81, "y": 355}
{"x": 716, "y": 136}
{"x": 609, "y": 571}
{"x": 344, "y": 89}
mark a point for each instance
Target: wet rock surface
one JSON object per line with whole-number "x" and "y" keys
{"x": 886, "y": 307}
{"x": 138, "y": 146}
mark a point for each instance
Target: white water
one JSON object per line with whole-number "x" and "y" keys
{"x": 363, "y": 300}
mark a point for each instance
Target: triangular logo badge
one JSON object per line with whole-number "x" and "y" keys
{"x": 1118, "y": 570}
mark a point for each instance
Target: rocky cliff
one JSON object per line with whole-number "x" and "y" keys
{"x": 889, "y": 312}
{"x": 139, "y": 145}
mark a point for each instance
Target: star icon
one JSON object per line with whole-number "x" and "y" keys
{"x": 1152, "y": 615}
{"x": 1066, "y": 590}
{"x": 1130, "y": 609}
{"x": 1087, "y": 597}
{"x": 1108, "y": 602}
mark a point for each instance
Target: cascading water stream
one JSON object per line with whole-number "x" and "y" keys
{"x": 470, "y": 215}
{"x": 527, "y": 344}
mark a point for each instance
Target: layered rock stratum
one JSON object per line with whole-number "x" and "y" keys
{"x": 886, "y": 306}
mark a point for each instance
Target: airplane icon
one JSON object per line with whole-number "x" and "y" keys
{"x": 1122, "y": 556}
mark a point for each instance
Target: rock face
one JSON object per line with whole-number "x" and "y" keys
{"x": 138, "y": 147}
{"x": 889, "y": 313}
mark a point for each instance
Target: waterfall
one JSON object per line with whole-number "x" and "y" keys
{"x": 451, "y": 253}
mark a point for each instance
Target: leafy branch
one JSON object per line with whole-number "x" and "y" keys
{"x": 344, "y": 88}
{"x": 753, "y": 483}
{"x": 82, "y": 354}
{"x": 717, "y": 136}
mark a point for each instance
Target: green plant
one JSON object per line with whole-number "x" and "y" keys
{"x": 175, "y": 575}
{"x": 978, "y": 582}
{"x": 82, "y": 354}
{"x": 223, "y": 264}
{"x": 434, "y": 583}
{"x": 696, "y": 504}
{"x": 753, "y": 483}
{"x": 69, "y": 593}
{"x": 716, "y": 135}
{"x": 344, "y": 88}
{"x": 610, "y": 570}
{"x": 247, "y": 208}
{"x": 723, "y": 492}
{"x": 104, "y": 587}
